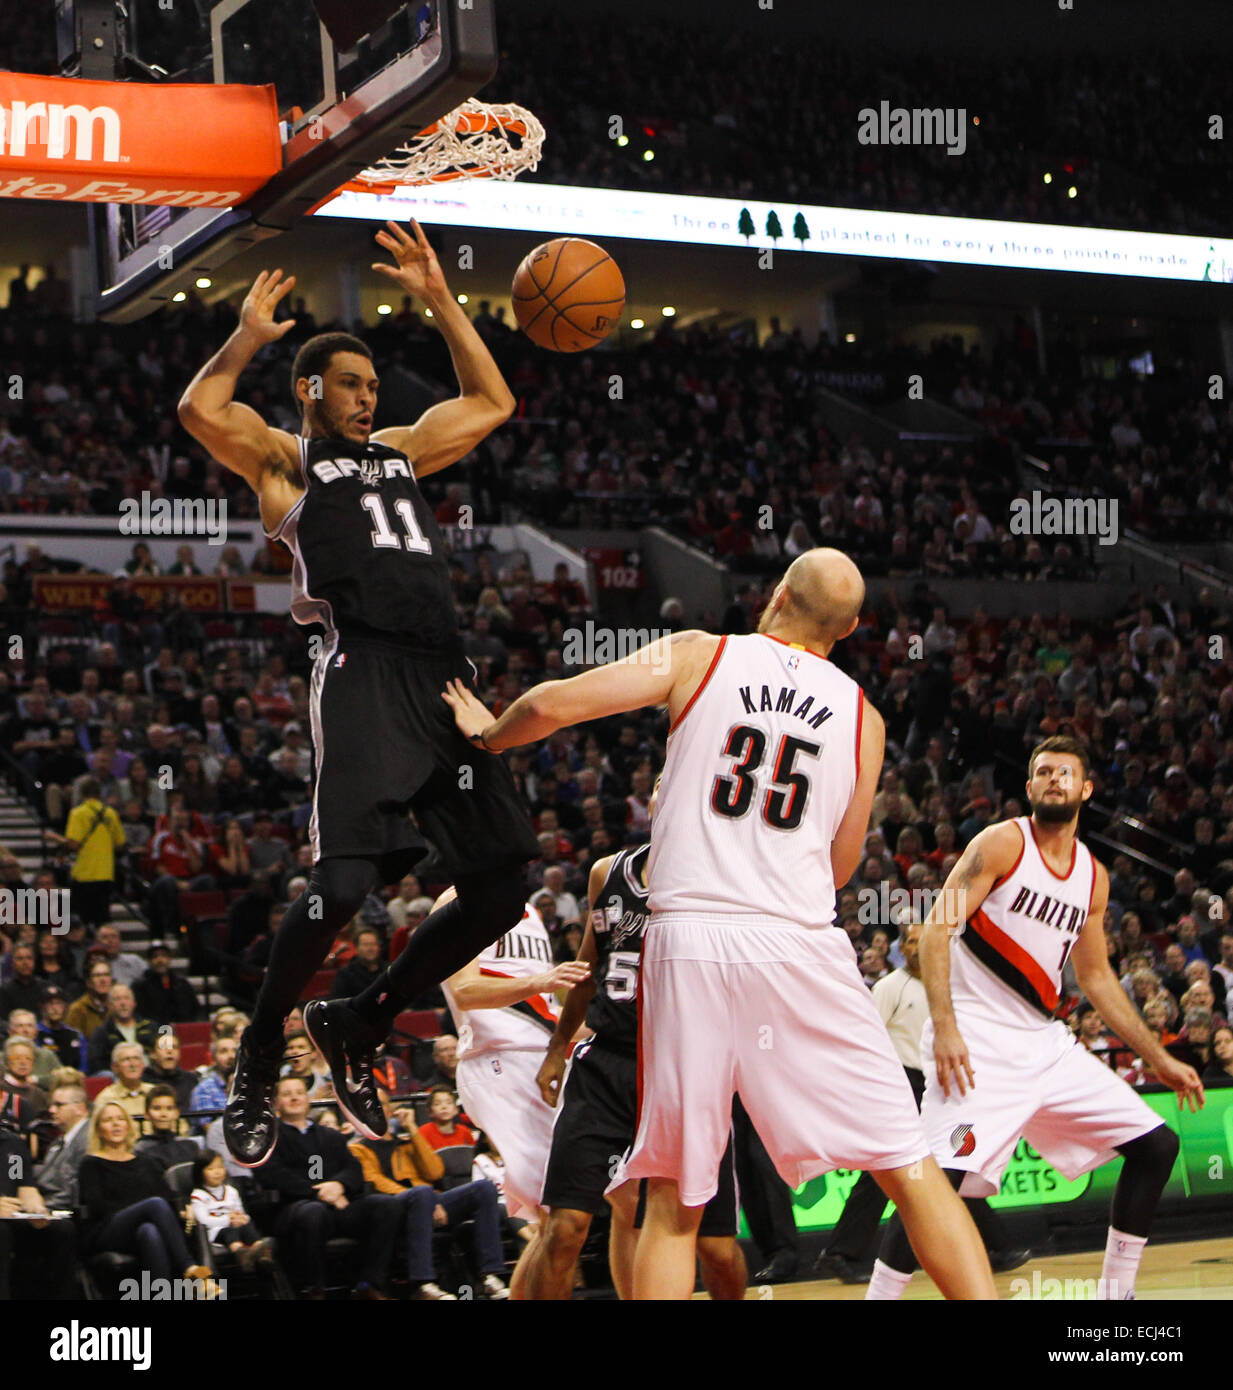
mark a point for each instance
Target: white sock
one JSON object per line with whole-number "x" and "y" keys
{"x": 887, "y": 1284}
{"x": 1122, "y": 1256}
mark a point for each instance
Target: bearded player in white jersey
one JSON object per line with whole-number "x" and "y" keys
{"x": 747, "y": 987}
{"x": 504, "y": 1007}
{"x": 1025, "y": 896}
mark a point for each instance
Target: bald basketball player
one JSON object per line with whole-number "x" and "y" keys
{"x": 747, "y": 988}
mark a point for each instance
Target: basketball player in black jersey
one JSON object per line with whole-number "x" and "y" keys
{"x": 370, "y": 566}
{"x": 598, "y": 1103}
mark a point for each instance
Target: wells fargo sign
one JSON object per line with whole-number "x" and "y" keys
{"x": 86, "y": 592}
{"x": 183, "y": 145}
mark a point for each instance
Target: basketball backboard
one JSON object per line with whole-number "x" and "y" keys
{"x": 341, "y": 111}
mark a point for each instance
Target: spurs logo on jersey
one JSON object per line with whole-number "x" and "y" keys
{"x": 1024, "y": 931}
{"x": 525, "y": 1026}
{"x": 772, "y": 737}
{"x": 365, "y": 545}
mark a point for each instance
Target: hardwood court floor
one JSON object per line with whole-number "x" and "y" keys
{"x": 1197, "y": 1269}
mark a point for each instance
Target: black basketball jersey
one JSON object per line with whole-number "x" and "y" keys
{"x": 618, "y": 921}
{"x": 367, "y": 548}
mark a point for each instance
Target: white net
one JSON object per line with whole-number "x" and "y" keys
{"x": 477, "y": 140}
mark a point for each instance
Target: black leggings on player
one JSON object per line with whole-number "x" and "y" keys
{"x": 488, "y": 905}
{"x": 1149, "y": 1161}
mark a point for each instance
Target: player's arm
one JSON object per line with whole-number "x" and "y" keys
{"x": 664, "y": 672}
{"x": 988, "y": 857}
{"x": 474, "y": 990}
{"x": 1104, "y": 991}
{"x": 233, "y": 433}
{"x": 445, "y": 432}
{"x": 848, "y": 845}
{"x": 577, "y": 1001}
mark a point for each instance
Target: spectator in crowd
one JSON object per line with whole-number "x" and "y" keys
{"x": 219, "y": 1210}
{"x": 122, "y": 1024}
{"x": 1194, "y": 1042}
{"x": 210, "y": 1093}
{"x": 165, "y": 1069}
{"x": 364, "y": 967}
{"x": 1219, "y": 1071}
{"x": 179, "y": 863}
{"x": 444, "y": 1070}
{"x": 126, "y": 968}
{"x": 408, "y": 890}
{"x": 128, "y": 1090}
{"x": 162, "y": 995}
{"x": 301, "y": 1058}
{"x": 67, "y": 1043}
{"x": 444, "y": 1128}
{"x": 322, "y": 1190}
{"x": 406, "y": 1166}
{"x": 22, "y": 1102}
{"x": 54, "y": 966}
{"x": 163, "y": 1140}
{"x": 94, "y": 835}
{"x": 127, "y": 1204}
{"x": 412, "y": 913}
{"x": 266, "y": 853}
{"x": 23, "y": 1024}
{"x": 24, "y": 989}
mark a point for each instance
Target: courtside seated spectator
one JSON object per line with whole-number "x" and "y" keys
{"x": 162, "y": 995}
{"x": 88, "y": 1012}
{"x": 165, "y": 1140}
{"x": 405, "y": 1165}
{"x": 210, "y": 1093}
{"x": 128, "y": 1090}
{"x": 1219, "y": 1071}
{"x": 443, "y": 1128}
{"x": 127, "y": 1205}
{"x": 219, "y": 1210}
{"x": 56, "y": 1175}
{"x": 35, "y": 1256}
{"x": 122, "y": 1024}
{"x": 318, "y": 1207}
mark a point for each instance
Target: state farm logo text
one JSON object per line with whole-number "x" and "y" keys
{"x": 54, "y": 128}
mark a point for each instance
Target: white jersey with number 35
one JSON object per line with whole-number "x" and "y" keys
{"x": 761, "y": 766}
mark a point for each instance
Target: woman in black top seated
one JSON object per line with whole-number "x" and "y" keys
{"x": 1219, "y": 1071}
{"x": 128, "y": 1206}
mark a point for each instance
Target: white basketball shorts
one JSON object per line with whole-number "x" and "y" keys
{"x": 781, "y": 1016}
{"x": 498, "y": 1091}
{"x": 1038, "y": 1084}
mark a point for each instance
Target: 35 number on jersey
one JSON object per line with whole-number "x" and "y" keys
{"x": 786, "y": 791}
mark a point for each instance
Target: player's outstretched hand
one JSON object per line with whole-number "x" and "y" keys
{"x": 417, "y": 270}
{"x": 566, "y": 976}
{"x": 550, "y": 1075}
{"x": 470, "y": 713}
{"x": 257, "y": 311}
{"x": 1182, "y": 1079}
{"x": 950, "y": 1053}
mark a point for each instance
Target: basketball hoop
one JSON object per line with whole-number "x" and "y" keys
{"x": 474, "y": 141}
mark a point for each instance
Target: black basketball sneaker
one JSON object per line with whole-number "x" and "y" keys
{"x": 250, "y": 1125}
{"x": 337, "y": 1032}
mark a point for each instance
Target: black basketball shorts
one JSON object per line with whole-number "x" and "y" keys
{"x": 596, "y": 1122}
{"x": 387, "y": 747}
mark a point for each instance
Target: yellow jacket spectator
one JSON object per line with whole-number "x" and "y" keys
{"x": 95, "y": 833}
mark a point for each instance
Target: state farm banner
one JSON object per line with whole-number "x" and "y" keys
{"x": 183, "y": 145}
{"x": 204, "y": 594}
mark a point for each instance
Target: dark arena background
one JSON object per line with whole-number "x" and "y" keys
{"x": 946, "y": 288}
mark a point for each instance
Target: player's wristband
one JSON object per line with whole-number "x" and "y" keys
{"x": 482, "y": 741}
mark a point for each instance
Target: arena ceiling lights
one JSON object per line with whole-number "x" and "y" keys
{"x": 667, "y": 217}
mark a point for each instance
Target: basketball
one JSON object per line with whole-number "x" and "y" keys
{"x": 568, "y": 294}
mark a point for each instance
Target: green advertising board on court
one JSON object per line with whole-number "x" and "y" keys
{"x": 1204, "y": 1168}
